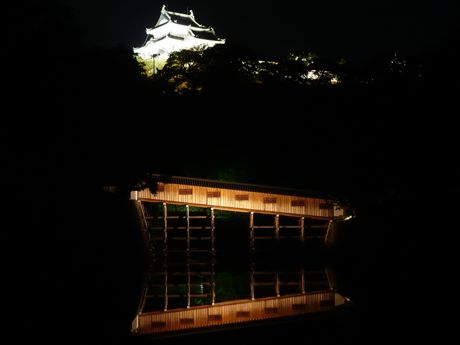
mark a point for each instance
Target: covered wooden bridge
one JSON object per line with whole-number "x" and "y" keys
{"x": 247, "y": 198}
{"x": 304, "y": 210}
{"x": 240, "y": 197}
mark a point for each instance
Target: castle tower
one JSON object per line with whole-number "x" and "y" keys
{"x": 174, "y": 32}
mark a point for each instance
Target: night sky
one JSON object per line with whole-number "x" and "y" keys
{"x": 357, "y": 28}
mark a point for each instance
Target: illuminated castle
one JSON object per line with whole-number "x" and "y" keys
{"x": 174, "y": 32}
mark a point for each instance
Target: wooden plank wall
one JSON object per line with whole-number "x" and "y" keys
{"x": 236, "y": 312}
{"x": 241, "y": 201}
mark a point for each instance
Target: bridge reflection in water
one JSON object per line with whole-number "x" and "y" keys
{"x": 189, "y": 288}
{"x": 191, "y": 294}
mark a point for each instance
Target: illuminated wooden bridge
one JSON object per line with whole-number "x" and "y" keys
{"x": 310, "y": 209}
{"x": 236, "y": 312}
{"x": 167, "y": 209}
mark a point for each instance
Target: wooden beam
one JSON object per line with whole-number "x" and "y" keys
{"x": 202, "y": 238}
{"x": 180, "y": 217}
{"x": 251, "y": 230}
{"x": 183, "y": 228}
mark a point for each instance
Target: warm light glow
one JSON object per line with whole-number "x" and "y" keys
{"x": 238, "y": 312}
{"x": 313, "y": 75}
{"x": 335, "y": 81}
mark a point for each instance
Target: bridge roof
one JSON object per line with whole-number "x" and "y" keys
{"x": 244, "y": 187}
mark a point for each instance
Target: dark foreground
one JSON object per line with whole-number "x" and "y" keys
{"x": 85, "y": 287}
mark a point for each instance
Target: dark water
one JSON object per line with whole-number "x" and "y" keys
{"x": 99, "y": 273}
{"x": 187, "y": 283}
{"x": 205, "y": 272}
{"x": 364, "y": 266}
{"x": 181, "y": 280}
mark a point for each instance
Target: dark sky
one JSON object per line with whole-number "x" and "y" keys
{"x": 337, "y": 27}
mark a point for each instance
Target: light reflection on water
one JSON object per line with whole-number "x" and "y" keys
{"x": 196, "y": 282}
{"x": 194, "y": 292}
{"x": 193, "y": 289}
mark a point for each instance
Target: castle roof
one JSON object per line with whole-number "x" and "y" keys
{"x": 183, "y": 20}
{"x": 178, "y": 18}
{"x": 205, "y": 34}
{"x": 176, "y": 31}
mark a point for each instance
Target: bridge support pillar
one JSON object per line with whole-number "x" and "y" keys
{"x": 302, "y": 281}
{"x": 213, "y": 283}
{"x": 302, "y": 229}
{"x": 187, "y": 212}
{"x": 213, "y": 228}
{"x": 188, "y": 286}
{"x": 165, "y": 227}
{"x": 251, "y": 281}
{"x": 251, "y": 231}
{"x": 329, "y": 280}
{"x": 135, "y": 324}
{"x": 277, "y": 284}
{"x": 165, "y": 287}
{"x": 331, "y": 233}
{"x": 277, "y": 228}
